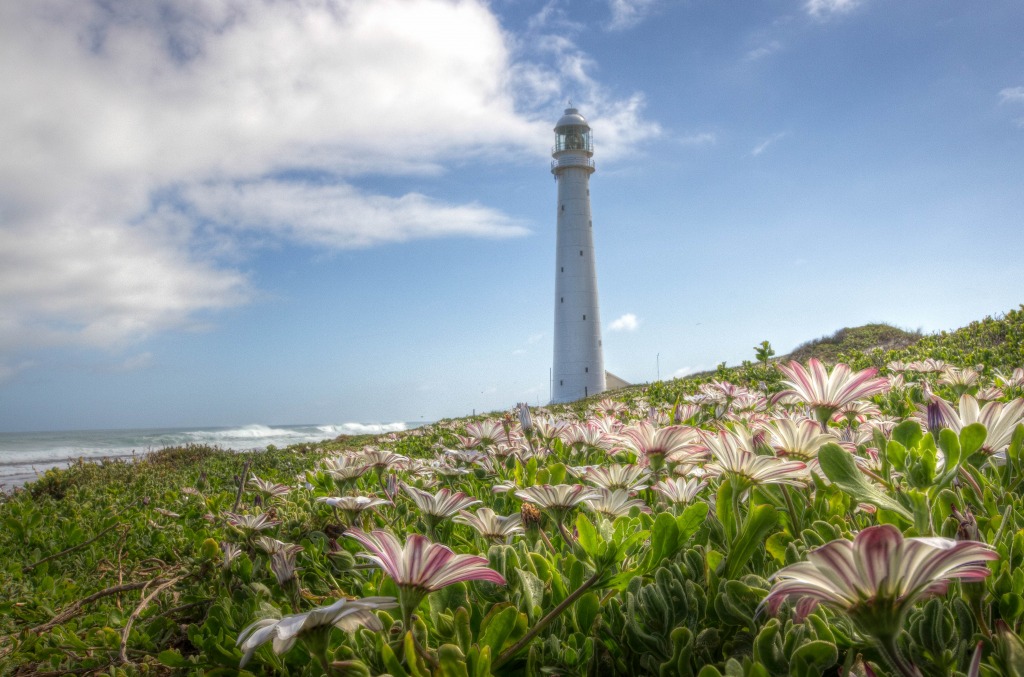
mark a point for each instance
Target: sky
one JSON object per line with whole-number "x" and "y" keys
{"x": 231, "y": 212}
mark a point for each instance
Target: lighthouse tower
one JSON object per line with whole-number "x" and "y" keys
{"x": 578, "y": 369}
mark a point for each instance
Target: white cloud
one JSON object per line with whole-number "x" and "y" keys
{"x": 76, "y": 278}
{"x": 123, "y": 122}
{"x": 687, "y": 371}
{"x": 627, "y": 322}
{"x": 764, "y": 144}
{"x": 764, "y": 50}
{"x": 338, "y": 216}
{"x": 1012, "y": 95}
{"x": 618, "y": 124}
{"x": 628, "y": 13}
{"x": 821, "y": 9}
{"x": 699, "y": 139}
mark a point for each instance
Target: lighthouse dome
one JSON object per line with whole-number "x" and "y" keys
{"x": 572, "y": 118}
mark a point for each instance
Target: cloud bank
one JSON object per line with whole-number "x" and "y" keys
{"x": 144, "y": 141}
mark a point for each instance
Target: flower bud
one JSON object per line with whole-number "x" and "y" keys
{"x": 524, "y": 417}
{"x": 531, "y": 517}
{"x": 936, "y": 418}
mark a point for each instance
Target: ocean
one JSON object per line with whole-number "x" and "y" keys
{"x": 23, "y": 456}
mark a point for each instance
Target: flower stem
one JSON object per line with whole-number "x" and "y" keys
{"x": 794, "y": 516}
{"x": 891, "y": 653}
{"x": 565, "y": 534}
{"x": 736, "y": 508}
{"x": 547, "y": 542}
{"x": 422, "y": 652}
{"x": 321, "y": 658}
{"x": 542, "y": 623}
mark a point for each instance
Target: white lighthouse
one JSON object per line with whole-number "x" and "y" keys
{"x": 578, "y": 369}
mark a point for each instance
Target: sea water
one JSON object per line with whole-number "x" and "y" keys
{"x": 23, "y": 456}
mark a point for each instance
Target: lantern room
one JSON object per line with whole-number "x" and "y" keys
{"x": 573, "y": 133}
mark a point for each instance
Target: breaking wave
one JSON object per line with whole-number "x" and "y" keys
{"x": 24, "y": 455}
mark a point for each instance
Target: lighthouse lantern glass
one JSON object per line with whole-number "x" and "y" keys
{"x": 573, "y": 138}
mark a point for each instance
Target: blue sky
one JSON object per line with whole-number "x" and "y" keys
{"x": 241, "y": 211}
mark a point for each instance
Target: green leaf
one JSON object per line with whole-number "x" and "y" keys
{"x": 724, "y": 509}
{"x": 172, "y": 658}
{"x": 1009, "y": 651}
{"x": 587, "y": 608}
{"x": 759, "y": 522}
{"x": 449, "y": 598}
{"x": 1013, "y": 453}
{"x": 479, "y": 661}
{"x": 821, "y": 629}
{"x": 463, "y": 631}
{"x": 531, "y": 471}
{"x": 541, "y": 565}
{"x": 588, "y": 538}
{"x": 1011, "y": 606}
{"x": 896, "y": 454}
{"x": 682, "y": 648}
{"x": 839, "y": 466}
{"x": 813, "y": 658}
{"x": 768, "y": 647}
{"x": 691, "y": 520}
{"x": 496, "y": 628}
{"x": 451, "y": 662}
{"x": 908, "y": 434}
{"x": 736, "y": 602}
{"x": 391, "y": 662}
{"x": 776, "y": 546}
{"x": 664, "y": 538}
{"x": 950, "y": 445}
{"x": 971, "y": 438}
{"x": 533, "y": 592}
{"x": 416, "y": 666}
{"x": 714, "y": 560}
{"x": 709, "y": 671}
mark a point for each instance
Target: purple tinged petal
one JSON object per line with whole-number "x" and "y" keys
{"x": 879, "y": 570}
{"x": 421, "y": 563}
{"x": 873, "y": 553}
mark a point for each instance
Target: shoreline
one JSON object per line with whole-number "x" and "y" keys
{"x": 26, "y": 457}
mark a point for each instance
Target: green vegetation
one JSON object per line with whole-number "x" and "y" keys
{"x": 161, "y": 564}
{"x": 992, "y": 343}
{"x": 864, "y": 339}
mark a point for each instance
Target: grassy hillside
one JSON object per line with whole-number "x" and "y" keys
{"x": 148, "y": 566}
{"x": 994, "y": 343}
{"x": 864, "y": 339}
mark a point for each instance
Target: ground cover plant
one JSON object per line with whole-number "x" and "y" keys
{"x": 773, "y": 519}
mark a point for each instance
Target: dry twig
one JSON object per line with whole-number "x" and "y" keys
{"x": 241, "y": 484}
{"x": 138, "y": 610}
{"x": 72, "y": 610}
